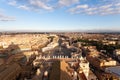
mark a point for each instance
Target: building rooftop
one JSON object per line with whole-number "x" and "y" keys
{"x": 59, "y": 71}
{"x": 114, "y": 70}
{"x": 8, "y": 72}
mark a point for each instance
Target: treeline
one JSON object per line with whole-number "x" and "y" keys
{"x": 99, "y": 45}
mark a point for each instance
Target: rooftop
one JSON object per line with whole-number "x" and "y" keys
{"x": 114, "y": 70}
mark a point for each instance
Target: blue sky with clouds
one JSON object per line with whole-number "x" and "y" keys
{"x": 59, "y": 15}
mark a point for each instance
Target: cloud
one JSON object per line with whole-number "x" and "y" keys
{"x": 24, "y": 7}
{"x": 47, "y": 5}
{"x": 82, "y": 6}
{"x": 13, "y": 3}
{"x": 102, "y": 9}
{"x": 67, "y": 2}
{"x": 32, "y": 5}
{"x": 4, "y": 17}
{"x": 40, "y": 4}
{"x": 86, "y": 7}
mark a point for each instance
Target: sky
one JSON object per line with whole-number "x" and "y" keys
{"x": 57, "y": 15}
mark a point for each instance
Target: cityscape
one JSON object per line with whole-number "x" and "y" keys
{"x": 59, "y": 39}
{"x": 59, "y": 56}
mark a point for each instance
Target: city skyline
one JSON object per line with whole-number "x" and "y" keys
{"x": 59, "y": 15}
